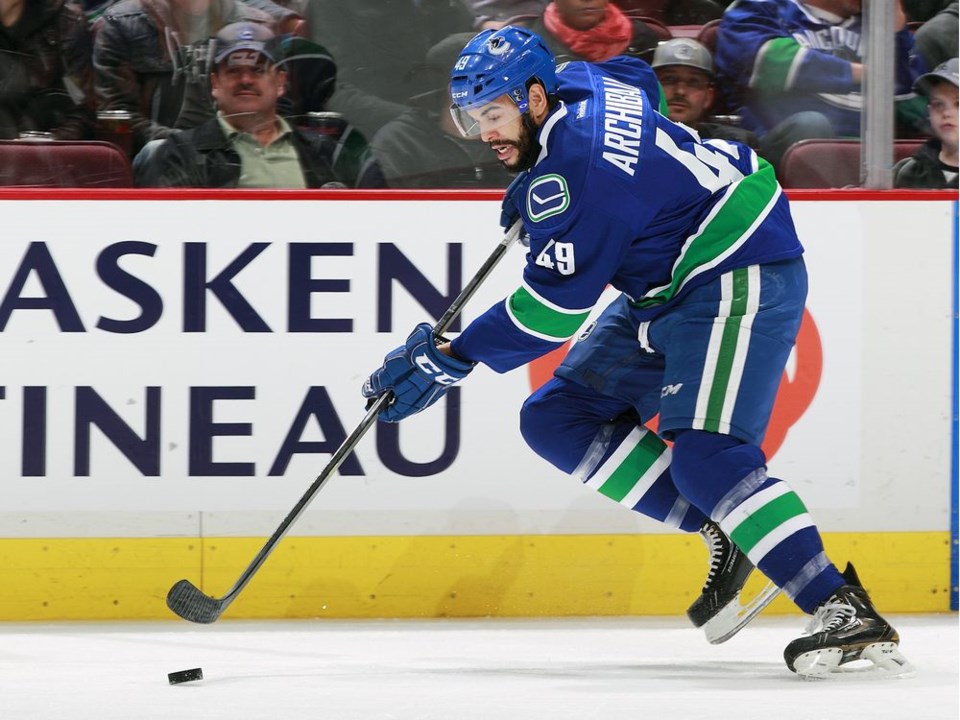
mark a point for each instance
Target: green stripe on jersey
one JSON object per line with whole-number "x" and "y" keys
{"x": 744, "y": 207}
{"x": 548, "y": 322}
{"x": 773, "y": 66}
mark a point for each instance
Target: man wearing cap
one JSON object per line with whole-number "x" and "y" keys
{"x": 247, "y": 145}
{"x": 684, "y": 68}
{"x": 151, "y": 58}
{"x": 934, "y": 165}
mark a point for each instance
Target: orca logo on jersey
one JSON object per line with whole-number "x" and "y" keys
{"x": 547, "y": 196}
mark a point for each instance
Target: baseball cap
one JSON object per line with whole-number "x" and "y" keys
{"x": 683, "y": 51}
{"x": 944, "y": 71}
{"x": 245, "y": 36}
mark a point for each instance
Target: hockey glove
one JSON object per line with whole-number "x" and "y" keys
{"x": 417, "y": 373}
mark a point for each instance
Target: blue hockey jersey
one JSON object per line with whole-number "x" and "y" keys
{"x": 783, "y": 58}
{"x": 621, "y": 195}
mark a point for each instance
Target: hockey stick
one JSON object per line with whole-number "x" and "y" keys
{"x": 191, "y": 603}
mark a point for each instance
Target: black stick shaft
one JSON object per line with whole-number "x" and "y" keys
{"x": 187, "y": 601}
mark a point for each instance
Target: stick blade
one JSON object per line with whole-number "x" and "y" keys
{"x": 190, "y": 603}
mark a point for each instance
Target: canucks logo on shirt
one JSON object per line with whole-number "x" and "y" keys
{"x": 547, "y": 196}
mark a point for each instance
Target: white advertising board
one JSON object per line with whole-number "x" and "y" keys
{"x": 170, "y": 363}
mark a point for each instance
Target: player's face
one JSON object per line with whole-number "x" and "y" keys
{"x": 943, "y": 112}
{"x": 688, "y": 92}
{"x": 245, "y": 84}
{"x": 501, "y": 126}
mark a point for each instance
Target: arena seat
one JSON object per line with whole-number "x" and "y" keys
{"x": 707, "y": 36}
{"x": 66, "y": 163}
{"x": 830, "y": 163}
{"x": 662, "y": 31}
{"x": 645, "y": 8}
{"x": 685, "y": 31}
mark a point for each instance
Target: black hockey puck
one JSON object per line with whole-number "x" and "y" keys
{"x": 183, "y": 676}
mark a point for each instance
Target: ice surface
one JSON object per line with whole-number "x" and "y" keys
{"x": 583, "y": 669}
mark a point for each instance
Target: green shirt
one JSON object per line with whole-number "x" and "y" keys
{"x": 274, "y": 166}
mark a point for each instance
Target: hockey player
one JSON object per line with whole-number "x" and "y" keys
{"x": 698, "y": 238}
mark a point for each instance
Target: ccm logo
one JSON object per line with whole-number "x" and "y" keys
{"x": 428, "y": 368}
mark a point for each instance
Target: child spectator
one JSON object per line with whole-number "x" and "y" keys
{"x": 934, "y": 165}
{"x": 46, "y": 76}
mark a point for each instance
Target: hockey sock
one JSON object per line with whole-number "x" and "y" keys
{"x": 631, "y": 466}
{"x": 727, "y": 479}
{"x": 619, "y": 459}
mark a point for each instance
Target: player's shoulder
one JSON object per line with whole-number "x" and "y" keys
{"x": 559, "y": 177}
{"x": 591, "y": 143}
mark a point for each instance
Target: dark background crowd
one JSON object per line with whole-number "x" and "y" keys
{"x": 324, "y": 93}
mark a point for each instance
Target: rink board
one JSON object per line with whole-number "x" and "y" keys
{"x": 175, "y": 374}
{"x": 427, "y": 576}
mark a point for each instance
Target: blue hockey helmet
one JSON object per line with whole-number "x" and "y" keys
{"x": 495, "y": 63}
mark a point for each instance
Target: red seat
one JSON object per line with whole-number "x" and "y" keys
{"x": 685, "y": 31}
{"x": 708, "y": 35}
{"x": 63, "y": 163}
{"x": 830, "y": 163}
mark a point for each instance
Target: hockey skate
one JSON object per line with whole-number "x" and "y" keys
{"x": 718, "y": 610}
{"x": 844, "y": 629}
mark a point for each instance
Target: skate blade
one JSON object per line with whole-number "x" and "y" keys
{"x": 876, "y": 660}
{"x": 734, "y": 616}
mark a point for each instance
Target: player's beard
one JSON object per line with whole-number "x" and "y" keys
{"x": 528, "y": 148}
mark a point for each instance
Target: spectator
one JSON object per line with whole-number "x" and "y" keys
{"x": 377, "y": 45}
{"x": 796, "y": 66}
{"x": 919, "y": 11}
{"x": 592, "y": 30}
{"x": 684, "y": 68}
{"x": 151, "y": 58}
{"x": 247, "y": 145}
{"x": 687, "y": 12}
{"x": 937, "y": 38}
{"x": 46, "y": 76}
{"x": 934, "y": 165}
{"x": 94, "y": 8}
{"x": 422, "y": 148}
{"x": 494, "y": 14}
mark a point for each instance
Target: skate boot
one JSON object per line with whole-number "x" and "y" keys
{"x": 844, "y": 629}
{"x": 718, "y": 610}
